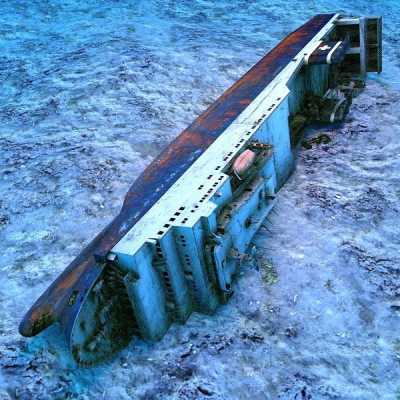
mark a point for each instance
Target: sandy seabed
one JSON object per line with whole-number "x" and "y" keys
{"x": 91, "y": 94}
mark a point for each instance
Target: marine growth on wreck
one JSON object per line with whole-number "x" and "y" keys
{"x": 188, "y": 220}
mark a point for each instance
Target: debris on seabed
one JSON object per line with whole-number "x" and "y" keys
{"x": 291, "y": 332}
{"x": 204, "y": 391}
{"x": 268, "y": 272}
{"x": 322, "y": 138}
{"x": 395, "y": 305}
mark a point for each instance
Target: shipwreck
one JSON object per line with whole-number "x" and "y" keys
{"x": 187, "y": 221}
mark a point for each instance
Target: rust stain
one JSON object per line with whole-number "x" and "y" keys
{"x": 161, "y": 174}
{"x": 245, "y": 102}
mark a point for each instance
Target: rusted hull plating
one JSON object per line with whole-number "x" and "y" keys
{"x": 64, "y": 299}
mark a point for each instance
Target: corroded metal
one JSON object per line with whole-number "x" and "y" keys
{"x": 329, "y": 53}
{"x": 78, "y": 278}
{"x": 188, "y": 220}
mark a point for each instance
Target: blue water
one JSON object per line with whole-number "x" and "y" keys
{"x": 91, "y": 91}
